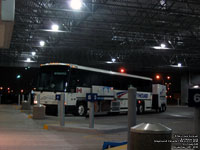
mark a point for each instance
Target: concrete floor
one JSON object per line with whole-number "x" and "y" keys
{"x": 18, "y": 132}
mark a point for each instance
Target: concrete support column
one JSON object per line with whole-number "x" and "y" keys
{"x": 184, "y": 88}
{"x": 131, "y": 112}
{"x": 197, "y": 121}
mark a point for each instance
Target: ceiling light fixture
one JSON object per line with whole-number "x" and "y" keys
{"x": 42, "y": 43}
{"x": 162, "y": 45}
{"x": 76, "y": 4}
{"x": 33, "y": 53}
{"x": 55, "y": 27}
{"x": 28, "y": 60}
{"x": 196, "y": 86}
{"x": 179, "y": 65}
{"x": 113, "y": 59}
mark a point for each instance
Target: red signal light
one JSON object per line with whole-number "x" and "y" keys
{"x": 158, "y": 77}
{"x": 168, "y": 77}
{"x": 122, "y": 70}
{"x": 22, "y": 90}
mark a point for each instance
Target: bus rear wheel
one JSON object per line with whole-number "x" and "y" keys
{"x": 140, "y": 109}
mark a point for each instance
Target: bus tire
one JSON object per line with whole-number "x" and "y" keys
{"x": 81, "y": 109}
{"x": 164, "y": 108}
{"x": 140, "y": 109}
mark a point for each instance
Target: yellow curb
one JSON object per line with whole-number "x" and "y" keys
{"x": 45, "y": 127}
{"x": 30, "y": 116}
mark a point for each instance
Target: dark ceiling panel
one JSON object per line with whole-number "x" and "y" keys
{"x": 103, "y": 29}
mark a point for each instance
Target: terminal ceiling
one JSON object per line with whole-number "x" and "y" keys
{"x": 126, "y": 30}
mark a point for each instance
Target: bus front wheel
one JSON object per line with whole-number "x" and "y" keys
{"x": 81, "y": 109}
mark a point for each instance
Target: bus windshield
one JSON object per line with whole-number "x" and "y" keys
{"x": 53, "y": 78}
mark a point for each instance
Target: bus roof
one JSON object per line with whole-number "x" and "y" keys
{"x": 97, "y": 70}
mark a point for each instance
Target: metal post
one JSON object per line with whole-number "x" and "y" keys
{"x": 22, "y": 97}
{"x": 29, "y": 98}
{"x": 38, "y": 100}
{"x": 62, "y": 110}
{"x": 197, "y": 121}
{"x": 0, "y": 98}
{"x": 178, "y": 101}
{"x": 19, "y": 100}
{"x": 59, "y": 103}
{"x": 131, "y": 111}
{"x": 91, "y": 114}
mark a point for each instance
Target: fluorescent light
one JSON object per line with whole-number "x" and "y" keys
{"x": 113, "y": 59}
{"x": 54, "y": 27}
{"x": 33, "y": 53}
{"x": 159, "y": 47}
{"x": 162, "y": 45}
{"x": 195, "y": 86}
{"x": 179, "y": 65}
{"x": 76, "y": 4}
{"x": 28, "y": 60}
{"x": 42, "y": 43}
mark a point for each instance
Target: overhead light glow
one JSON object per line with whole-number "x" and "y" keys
{"x": 33, "y": 53}
{"x": 54, "y": 27}
{"x": 162, "y": 45}
{"x": 109, "y": 62}
{"x": 28, "y": 60}
{"x": 113, "y": 59}
{"x": 76, "y": 4}
{"x": 159, "y": 47}
{"x": 42, "y": 43}
{"x": 18, "y": 76}
{"x": 195, "y": 86}
{"x": 179, "y": 65}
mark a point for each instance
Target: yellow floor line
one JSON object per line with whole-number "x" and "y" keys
{"x": 30, "y": 116}
{"x": 45, "y": 127}
{"x": 122, "y": 147}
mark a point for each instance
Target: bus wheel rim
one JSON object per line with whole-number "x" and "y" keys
{"x": 81, "y": 110}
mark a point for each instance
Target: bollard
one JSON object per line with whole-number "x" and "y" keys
{"x": 148, "y": 136}
{"x": 178, "y": 101}
{"x": 38, "y": 100}
{"x": 19, "y": 100}
{"x": 62, "y": 110}
{"x": 131, "y": 111}
{"x": 22, "y": 97}
{"x": 91, "y": 114}
{"x": 29, "y": 98}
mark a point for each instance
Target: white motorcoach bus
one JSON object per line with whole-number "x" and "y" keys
{"x": 111, "y": 89}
